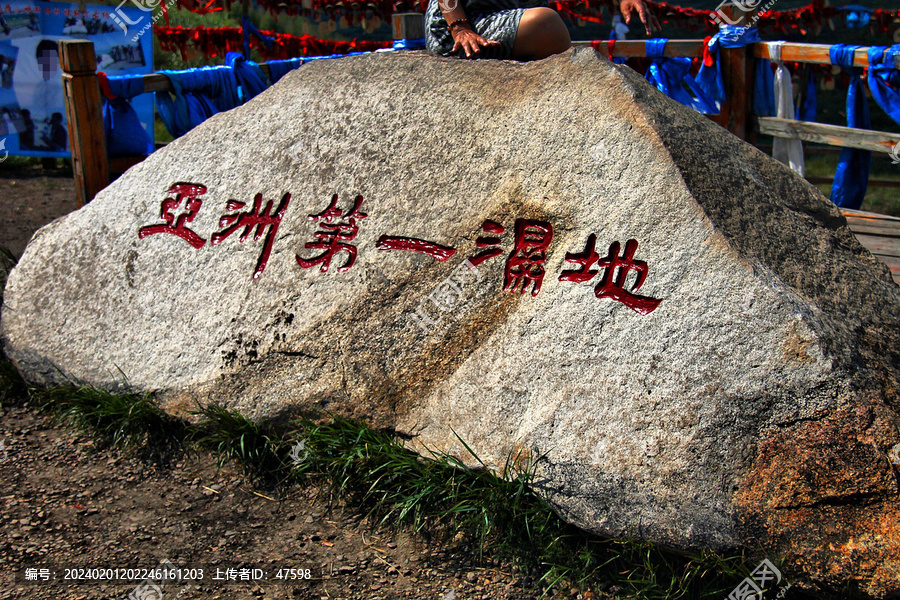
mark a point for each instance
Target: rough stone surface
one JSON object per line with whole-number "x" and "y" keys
{"x": 755, "y": 407}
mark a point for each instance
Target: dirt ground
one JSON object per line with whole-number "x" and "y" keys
{"x": 66, "y": 504}
{"x": 29, "y": 199}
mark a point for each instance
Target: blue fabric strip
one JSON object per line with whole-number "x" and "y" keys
{"x": 764, "y": 89}
{"x": 806, "y": 111}
{"x": 851, "y": 179}
{"x": 710, "y": 79}
{"x": 884, "y": 79}
{"x": 251, "y": 80}
{"x": 671, "y": 75}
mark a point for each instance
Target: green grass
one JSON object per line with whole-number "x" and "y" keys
{"x": 496, "y": 515}
{"x": 479, "y": 511}
{"x": 233, "y": 436}
{"x": 884, "y": 200}
{"x": 131, "y": 421}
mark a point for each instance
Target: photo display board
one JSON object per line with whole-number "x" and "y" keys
{"x": 32, "y": 108}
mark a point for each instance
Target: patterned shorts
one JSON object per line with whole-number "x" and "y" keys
{"x": 493, "y": 19}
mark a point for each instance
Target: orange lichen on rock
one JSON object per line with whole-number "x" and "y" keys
{"x": 830, "y": 510}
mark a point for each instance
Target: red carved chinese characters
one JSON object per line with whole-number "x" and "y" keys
{"x": 612, "y": 285}
{"x": 490, "y": 242}
{"x": 332, "y": 235}
{"x": 260, "y": 219}
{"x": 525, "y": 263}
{"x": 189, "y": 193}
{"x": 390, "y": 242}
{"x": 585, "y": 259}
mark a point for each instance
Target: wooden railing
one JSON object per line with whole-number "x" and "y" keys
{"x": 92, "y": 166}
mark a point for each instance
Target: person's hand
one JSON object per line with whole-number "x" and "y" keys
{"x": 470, "y": 42}
{"x": 650, "y": 22}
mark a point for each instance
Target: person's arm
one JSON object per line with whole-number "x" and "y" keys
{"x": 464, "y": 35}
{"x": 627, "y": 8}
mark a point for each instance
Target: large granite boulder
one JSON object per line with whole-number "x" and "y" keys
{"x": 551, "y": 258}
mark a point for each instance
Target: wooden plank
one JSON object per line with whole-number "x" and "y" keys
{"x": 87, "y": 138}
{"x": 891, "y": 227}
{"x": 879, "y": 245}
{"x": 862, "y": 214}
{"x": 737, "y": 75}
{"x": 408, "y": 26}
{"x": 881, "y": 231}
{"x": 160, "y": 83}
{"x": 894, "y": 265}
{"x": 638, "y": 48}
{"x": 804, "y": 53}
{"x": 832, "y": 135}
{"x": 889, "y": 183}
{"x": 811, "y": 53}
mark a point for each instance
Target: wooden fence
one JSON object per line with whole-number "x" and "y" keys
{"x": 92, "y": 165}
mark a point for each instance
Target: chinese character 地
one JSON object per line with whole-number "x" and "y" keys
{"x": 612, "y": 283}
{"x": 331, "y": 236}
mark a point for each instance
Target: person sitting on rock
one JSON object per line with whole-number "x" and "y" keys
{"x": 517, "y": 29}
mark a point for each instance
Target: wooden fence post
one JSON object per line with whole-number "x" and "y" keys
{"x": 737, "y": 73}
{"x": 408, "y": 26}
{"x": 87, "y": 138}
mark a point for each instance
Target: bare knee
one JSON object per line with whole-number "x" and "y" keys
{"x": 541, "y": 33}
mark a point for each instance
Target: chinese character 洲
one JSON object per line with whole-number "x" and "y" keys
{"x": 260, "y": 219}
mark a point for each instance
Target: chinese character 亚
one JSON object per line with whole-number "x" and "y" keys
{"x": 612, "y": 283}
{"x": 258, "y": 217}
{"x": 331, "y": 236}
{"x": 189, "y": 193}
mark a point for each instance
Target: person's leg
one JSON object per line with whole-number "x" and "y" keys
{"x": 541, "y": 33}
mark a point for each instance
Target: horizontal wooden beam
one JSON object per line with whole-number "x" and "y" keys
{"x": 831, "y": 135}
{"x": 811, "y": 53}
{"x": 638, "y": 48}
{"x": 790, "y": 52}
{"x": 160, "y": 83}
{"x": 873, "y": 182}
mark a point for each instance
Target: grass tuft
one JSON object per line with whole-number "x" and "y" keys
{"x": 131, "y": 421}
{"x": 233, "y": 436}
